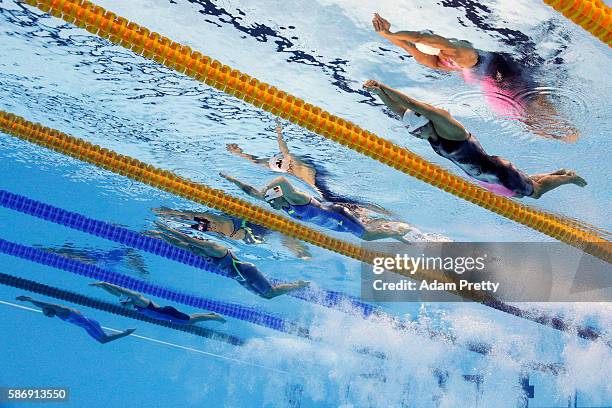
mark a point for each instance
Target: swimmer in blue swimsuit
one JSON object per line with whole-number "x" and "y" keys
{"x": 148, "y": 308}
{"x": 451, "y": 140}
{"x": 245, "y": 273}
{"x": 499, "y": 75}
{"x": 226, "y": 226}
{"x": 91, "y": 326}
{"x": 281, "y": 195}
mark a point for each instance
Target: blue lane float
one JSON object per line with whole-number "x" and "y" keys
{"x": 91, "y": 271}
{"x": 82, "y": 300}
{"x": 25, "y": 205}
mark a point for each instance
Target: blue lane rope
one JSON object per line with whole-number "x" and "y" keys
{"x": 78, "y": 299}
{"x": 91, "y": 271}
{"x": 159, "y": 247}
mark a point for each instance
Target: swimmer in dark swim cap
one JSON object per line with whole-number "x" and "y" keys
{"x": 499, "y": 75}
{"x": 280, "y": 194}
{"x": 147, "y": 307}
{"x": 67, "y": 314}
{"x": 451, "y": 140}
{"x": 230, "y": 227}
{"x": 221, "y": 257}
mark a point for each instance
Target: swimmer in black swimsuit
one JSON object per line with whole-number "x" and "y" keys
{"x": 244, "y": 273}
{"x": 67, "y": 314}
{"x": 148, "y": 308}
{"x": 452, "y": 141}
{"x": 499, "y": 75}
{"x": 281, "y": 195}
{"x": 231, "y": 227}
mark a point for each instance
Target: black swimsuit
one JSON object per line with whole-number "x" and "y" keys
{"x": 470, "y": 157}
{"x": 246, "y": 274}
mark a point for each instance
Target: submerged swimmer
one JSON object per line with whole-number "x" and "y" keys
{"x": 91, "y": 326}
{"x": 498, "y": 74}
{"x": 451, "y": 140}
{"x": 148, "y": 308}
{"x": 281, "y": 195}
{"x": 231, "y": 227}
{"x": 244, "y": 273}
{"x": 302, "y": 168}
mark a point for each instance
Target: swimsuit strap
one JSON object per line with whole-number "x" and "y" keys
{"x": 249, "y": 232}
{"x": 235, "y": 263}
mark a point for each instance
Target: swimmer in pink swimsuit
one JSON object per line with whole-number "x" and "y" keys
{"x": 449, "y": 139}
{"x": 498, "y": 75}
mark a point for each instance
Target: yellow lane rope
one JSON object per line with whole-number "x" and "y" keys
{"x": 592, "y": 15}
{"x": 200, "y": 193}
{"x": 183, "y": 59}
{"x": 167, "y": 181}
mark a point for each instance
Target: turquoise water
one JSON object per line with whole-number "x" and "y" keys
{"x": 63, "y": 77}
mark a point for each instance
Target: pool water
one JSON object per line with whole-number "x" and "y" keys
{"x": 322, "y": 51}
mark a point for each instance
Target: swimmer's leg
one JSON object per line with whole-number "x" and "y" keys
{"x": 202, "y": 317}
{"x": 380, "y": 229}
{"x": 544, "y": 183}
{"x": 95, "y": 330}
{"x": 283, "y": 288}
{"x": 298, "y": 248}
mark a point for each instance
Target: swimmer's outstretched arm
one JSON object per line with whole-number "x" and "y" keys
{"x": 59, "y": 309}
{"x": 237, "y": 150}
{"x": 250, "y": 190}
{"x": 445, "y": 125}
{"x": 279, "y": 137}
{"x": 407, "y": 39}
{"x": 208, "y": 248}
{"x": 137, "y": 298}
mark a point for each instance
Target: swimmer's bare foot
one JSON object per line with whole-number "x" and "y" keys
{"x": 577, "y": 180}
{"x": 301, "y": 284}
{"x": 217, "y": 317}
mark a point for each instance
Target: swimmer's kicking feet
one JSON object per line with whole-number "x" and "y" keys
{"x": 451, "y": 140}
{"x": 91, "y": 326}
{"x": 244, "y": 273}
{"x": 147, "y": 307}
{"x": 280, "y": 194}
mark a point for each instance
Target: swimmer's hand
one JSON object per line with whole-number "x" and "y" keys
{"x": 233, "y": 148}
{"x": 98, "y": 284}
{"x": 373, "y": 85}
{"x": 381, "y": 25}
{"x": 23, "y": 298}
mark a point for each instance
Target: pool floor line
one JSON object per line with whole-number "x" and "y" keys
{"x": 137, "y": 240}
{"x": 233, "y": 310}
{"x": 133, "y": 239}
{"x": 167, "y": 343}
{"x": 164, "y": 180}
{"x": 93, "y": 303}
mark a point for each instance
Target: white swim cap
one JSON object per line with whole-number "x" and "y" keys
{"x": 279, "y": 163}
{"x": 413, "y": 120}
{"x": 426, "y": 49}
{"x": 274, "y": 192}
